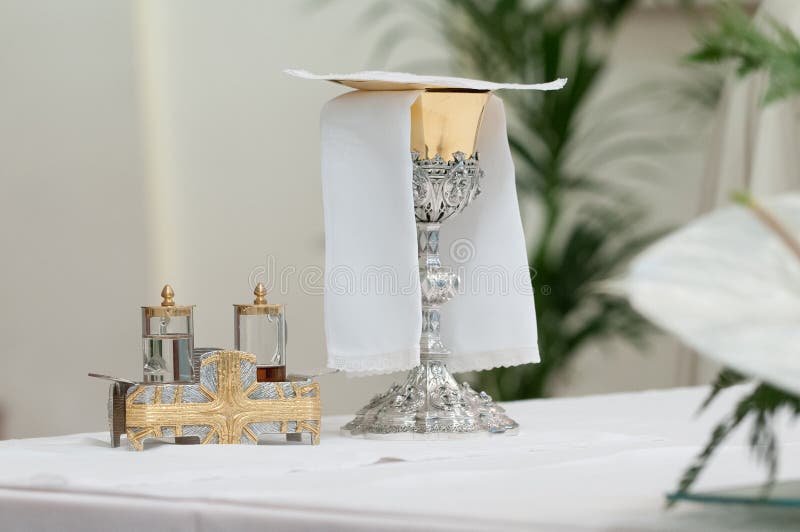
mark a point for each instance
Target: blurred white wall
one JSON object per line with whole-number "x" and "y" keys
{"x": 150, "y": 142}
{"x": 72, "y": 210}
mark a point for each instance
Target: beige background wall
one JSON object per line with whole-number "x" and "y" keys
{"x": 145, "y": 142}
{"x": 72, "y": 210}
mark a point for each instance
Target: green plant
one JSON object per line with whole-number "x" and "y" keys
{"x": 524, "y": 41}
{"x": 737, "y": 38}
{"x": 761, "y": 404}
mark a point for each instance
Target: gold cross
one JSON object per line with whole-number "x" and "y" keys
{"x": 229, "y": 411}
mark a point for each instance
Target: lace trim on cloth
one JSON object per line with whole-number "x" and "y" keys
{"x": 380, "y": 364}
{"x": 404, "y": 360}
{"x": 492, "y": 359}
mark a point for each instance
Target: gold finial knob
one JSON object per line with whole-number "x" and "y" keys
{"x": 169, "y": 296}
{"x": 260, "y": 292}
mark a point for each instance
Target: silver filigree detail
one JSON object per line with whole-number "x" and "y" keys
{"x": 442, "y": 188}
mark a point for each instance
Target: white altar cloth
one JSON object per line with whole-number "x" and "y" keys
{"x": 592, "y": 463}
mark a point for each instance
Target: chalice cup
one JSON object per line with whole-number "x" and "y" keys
{"x": 430, "y": 404}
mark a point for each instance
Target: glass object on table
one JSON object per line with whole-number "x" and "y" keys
{"x": 168, "y": 341}
{"x": 260, "y": 329}
{"x": 783, "y": 494}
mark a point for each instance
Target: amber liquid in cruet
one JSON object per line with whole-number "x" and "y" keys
{"x": 270, "y": 373}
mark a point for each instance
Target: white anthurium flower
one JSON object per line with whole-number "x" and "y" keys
{"x": 729, "y": 286}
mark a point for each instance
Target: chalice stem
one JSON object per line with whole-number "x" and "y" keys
{"x": 438, "y": 286}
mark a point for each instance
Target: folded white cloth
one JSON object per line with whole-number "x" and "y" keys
{"x": 372, "y": 289}
{"x": 370, "y": 233}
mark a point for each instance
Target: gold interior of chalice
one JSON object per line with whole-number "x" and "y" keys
{"x": 446, "y": 121}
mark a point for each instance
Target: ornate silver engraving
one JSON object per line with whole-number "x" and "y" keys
{"x": 430, "y": 402}
{"x": 442, "y": 188}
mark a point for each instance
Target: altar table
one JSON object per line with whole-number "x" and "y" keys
{"x": 590, "y": 463}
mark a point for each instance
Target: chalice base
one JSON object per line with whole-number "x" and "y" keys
{"x": 430, "y": 405}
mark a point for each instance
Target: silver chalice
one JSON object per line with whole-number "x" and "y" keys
{"x": 430, "y": 404}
